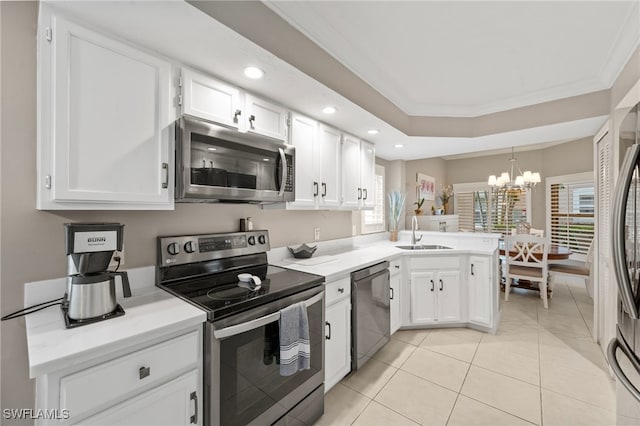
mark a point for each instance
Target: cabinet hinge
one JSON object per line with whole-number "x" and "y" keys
{"x": 180, "y": 81}
{"x": 48, "y": 33}
{"x": 179, "y": 100}
{"x": 47, "y": 181}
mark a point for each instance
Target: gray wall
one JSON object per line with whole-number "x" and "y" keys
{"x": 564, "y": 159}
{"x": 32, "y": 242}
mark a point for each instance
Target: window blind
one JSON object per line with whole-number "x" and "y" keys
{"x": 487, "y": 211}
{"x": 376, "y": 216}
{"x": 572, "y": 215}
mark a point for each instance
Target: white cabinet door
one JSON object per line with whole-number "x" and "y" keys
{"x": 367, "y": 173}
{"x": 266, "y": 118}
{"x": 338, "y": 342}
{"x": 329, "y": 177}
{"x": 208, "y": 98}
{"x": 304, "y": 133}
{"x": 396, "y": 320}
{"x": 174, "y": 403}
{"x": 448, "y": 298}
{"x": 480, "y": 291}
{"x": 351, "y": 189}
{"x": 423, "y": 298}
{"x": 106, "y": 134}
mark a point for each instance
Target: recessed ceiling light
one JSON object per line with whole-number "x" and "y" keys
{"x": 329, "y": 110}
{"x": 399, "y": 145}
{"x": 253, "y": 72}
{"x": 373, "y": 131}
{"x": 265, "y": 159}
{"x": 211, "y": 149}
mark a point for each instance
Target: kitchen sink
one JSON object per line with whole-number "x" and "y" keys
{"x": 424, "y": 247}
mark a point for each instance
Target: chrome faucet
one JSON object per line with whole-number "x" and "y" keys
{"x": 414, "y": 226}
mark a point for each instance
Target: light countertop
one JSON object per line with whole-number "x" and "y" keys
{"x": 149, "y": 314}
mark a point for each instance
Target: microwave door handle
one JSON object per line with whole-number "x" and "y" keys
{"x": 617, "y": 230}
{"x": 259, "y": 322}
{"x": 283, "y": 181}
{"x": 617, "y": 370}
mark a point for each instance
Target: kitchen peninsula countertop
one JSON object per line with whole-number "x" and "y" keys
{"x": 149, "y": 314}
{"x": 335, "y": 260}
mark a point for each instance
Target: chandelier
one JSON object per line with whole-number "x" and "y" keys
{"x": 509, "y": 179}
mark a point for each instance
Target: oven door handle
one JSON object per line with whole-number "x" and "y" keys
{"x": 259, "y": 322}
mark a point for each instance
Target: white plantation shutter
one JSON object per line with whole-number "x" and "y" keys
{"x": 482, "y": 210}
{"x": 507, "y": 208}
{"x": 570, "y": 211}
{"x": 373, "y": 220}
{"x": 463, "y": 203}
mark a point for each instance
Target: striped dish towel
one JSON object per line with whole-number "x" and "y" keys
{"x": 295, "y": 351}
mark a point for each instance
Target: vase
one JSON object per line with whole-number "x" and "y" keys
{"x": 418, "y": 212}
{"x": 444, "y": 208}
{"x": 393, "y": 235}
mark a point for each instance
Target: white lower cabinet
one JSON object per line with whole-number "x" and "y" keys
{"x": 395, "y": 282}
{"x": 172, "y": 404}
{"x": 155, "y": 384}
{"x": 481, "y": 290}
{"x": 337, "y": 350}
{"x": 435, "y": 293}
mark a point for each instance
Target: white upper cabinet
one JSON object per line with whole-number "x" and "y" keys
{"x": 105, "y": 122}
{"x": 266, "y": 118}
{"x": 317, "y": 164}
{"x": 329, "y": 168}
{"x": 358, "y": 178}
{"x": 208, "y": 98}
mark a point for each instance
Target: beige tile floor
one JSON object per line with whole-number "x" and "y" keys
{"x": 540, "y": 368}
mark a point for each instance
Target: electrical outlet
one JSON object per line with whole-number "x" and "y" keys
{"x": 113, "y": 264}
{"x": 316, "y": 234}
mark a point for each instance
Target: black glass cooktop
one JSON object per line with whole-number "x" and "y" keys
{"x": 222, "y": 294}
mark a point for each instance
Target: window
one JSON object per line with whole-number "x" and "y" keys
{"x": 570, "y": 211}
{"x": 373, "y": 220}
{"x": 480, "y": 209}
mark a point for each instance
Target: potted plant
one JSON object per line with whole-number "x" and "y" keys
{"x": 446, "y": 192}
{"x": 396, "y": 204}
{"x": 418, "y": 209}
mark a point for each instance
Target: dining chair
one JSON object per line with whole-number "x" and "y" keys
{"x": 537, "y": 232}
{"x": 526, "y": 258}
{"x": 571, "y": 268}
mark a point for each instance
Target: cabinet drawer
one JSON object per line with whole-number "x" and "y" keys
{"x": 83, "y": 391}
{"x": 337, "y": 290}
{"x": 435, "y": 262}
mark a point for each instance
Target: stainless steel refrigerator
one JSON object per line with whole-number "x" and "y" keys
{"x": 623, "y": 352}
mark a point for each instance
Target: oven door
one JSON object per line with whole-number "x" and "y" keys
{"x": 242, "y": 373}
{"x": 216, "y": 163}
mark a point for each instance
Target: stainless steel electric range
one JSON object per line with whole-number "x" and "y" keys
{"x": 242, "y": 381}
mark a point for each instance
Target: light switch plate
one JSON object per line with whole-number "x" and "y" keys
{"x": 316, "y": 234}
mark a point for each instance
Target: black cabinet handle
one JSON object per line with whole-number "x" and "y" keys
{"x": 341, "y": 290}
{"x": 328, "y": 324}
{"x": 359, "y": 193}
{"x": 391, "y": 295}
{"x": 432, "y": 285}
{"x": 252, "y": 119}
{"x": 165, "y": 169}
{"x": 144, "y": 372}
{"x": 194, "y": 398}
{"x": 324, "y": 189}
{"x": 441, "y": 285}
{"x": 472, "y": 273}
{"x": 315, "y": 189}
{"x": 235, "y": 115}
{"x": 397, "y": 266}
{"x": 365, "y": 194}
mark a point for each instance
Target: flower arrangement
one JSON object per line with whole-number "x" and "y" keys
{"x": 445, "y": 193}
{"x": 419, "y": 203}
{"x": 396, "y": 204}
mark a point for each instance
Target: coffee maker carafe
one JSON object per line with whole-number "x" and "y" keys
{"x": 91, "y": 287}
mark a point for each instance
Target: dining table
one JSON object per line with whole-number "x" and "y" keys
{"x": 556, "y": 252}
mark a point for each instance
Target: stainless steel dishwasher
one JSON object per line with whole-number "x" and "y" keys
{"x": 370, "y": 314}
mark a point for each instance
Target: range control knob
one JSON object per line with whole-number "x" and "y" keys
{"x": 252, "y": 240}
{"x": 189, "y": 247}
{"x": 173, "y": 249}
{"x": 262, "y": 239}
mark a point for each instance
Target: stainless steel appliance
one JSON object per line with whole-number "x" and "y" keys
{"x": 91, "y": 288}
{"x": 214, "y": 163}
{"x": 370, "y": 312}
{"x": 242, "y": 381}
{"x": 624, "y": 350}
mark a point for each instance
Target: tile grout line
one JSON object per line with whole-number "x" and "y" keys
{"x": 453, "y": 407}
{"x": 540, "y": 371}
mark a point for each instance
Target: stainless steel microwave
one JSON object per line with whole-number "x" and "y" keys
{"x": 214, "y": 163}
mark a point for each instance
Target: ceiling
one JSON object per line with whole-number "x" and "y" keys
{"x": 189, "y": 36}
{"x": 467, "y": 59}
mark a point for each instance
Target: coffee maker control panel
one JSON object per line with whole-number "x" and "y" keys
{"x": 198, "y": 248}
